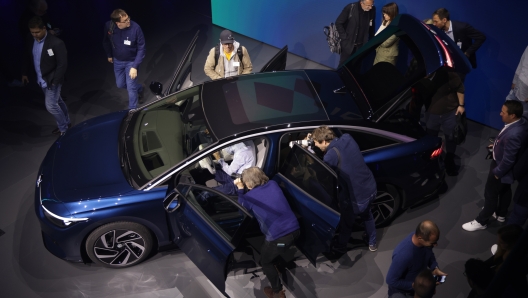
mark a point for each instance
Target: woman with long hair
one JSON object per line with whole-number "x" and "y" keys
{"x": 388, "y": 50}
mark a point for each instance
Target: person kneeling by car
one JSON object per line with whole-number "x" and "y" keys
{"x": 275, "y": 217}
{"x": 357, "y": 183}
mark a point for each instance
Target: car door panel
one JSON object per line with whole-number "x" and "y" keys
{"x": 182, "y": 75}
{"x": 207, "y": 231}
{"x": 278, "y": 62}
{"x": 312, "y": 198}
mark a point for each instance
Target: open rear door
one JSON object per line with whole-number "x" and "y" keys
{"x": 207, "y": 226}
{"x": 182, "y": 77}
{"x": 311, "y": 189}
{"x": 278, "y": 62}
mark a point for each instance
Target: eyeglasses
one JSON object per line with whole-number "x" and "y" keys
{"x": 126, "y": 21}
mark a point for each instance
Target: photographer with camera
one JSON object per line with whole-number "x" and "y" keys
{"x": 358, "y": 187}
{"x": 276, "y": 220}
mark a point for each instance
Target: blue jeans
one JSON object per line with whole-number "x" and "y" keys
{"x": 56, "y": 106}
{"x": 512, "y": 96}
{"x": 123, "y": 80}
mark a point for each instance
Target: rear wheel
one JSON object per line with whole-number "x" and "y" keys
{"x": 386, "y": 205}
{"x": 119, "y": 244}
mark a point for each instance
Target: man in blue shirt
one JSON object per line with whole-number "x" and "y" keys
{"x": 411, "y": 256}
{"x": 276, "y": 219}
{"x": 124, "y": 45}
{"x": 50, "y": 60}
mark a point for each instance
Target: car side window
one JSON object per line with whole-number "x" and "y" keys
{"x": 369, "y": 141}
{"x": 221, "y": 211}
{"x": 311, "y": 175}
{"x": 284, "y": 147}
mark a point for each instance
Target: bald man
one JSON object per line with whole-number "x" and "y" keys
{"x": 410, "y": 257}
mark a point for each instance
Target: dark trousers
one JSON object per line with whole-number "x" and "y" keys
{"x": 445, "y": 121}
{"x": 270, "y": 251}
{"x": 346, "y": 53}
{"x": 497, "y": 197}
{"x": 348, "y": 218}
{"x": 519, "y": 215}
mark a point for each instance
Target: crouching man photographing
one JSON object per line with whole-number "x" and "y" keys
{"x": 357, "y": 183}
{"x": 275, "y": 217}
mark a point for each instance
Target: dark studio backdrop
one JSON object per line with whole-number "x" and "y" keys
{"x": 297, "y": 23}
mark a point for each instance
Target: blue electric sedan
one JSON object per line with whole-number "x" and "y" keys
{"x": 117, "y": 186}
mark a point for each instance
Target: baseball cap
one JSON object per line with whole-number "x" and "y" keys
{"x": 227, "y": 37}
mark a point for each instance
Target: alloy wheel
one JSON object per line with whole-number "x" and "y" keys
{"x": 119, "y": 247}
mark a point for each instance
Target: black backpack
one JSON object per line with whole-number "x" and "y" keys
{"x": 217, "y": 54}
{"x": 332, "y": 36}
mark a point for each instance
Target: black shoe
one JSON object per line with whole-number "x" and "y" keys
{"x": 450, "y": 166}
{"x": 56, "y": 131}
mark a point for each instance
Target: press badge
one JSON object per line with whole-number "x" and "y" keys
{"x": 127, "y": 42}
{"x": 236, "y": 64}
{"x": 50, "y": 52}
{"x": 370, "y": 23}
{"x": 459, "y": 44}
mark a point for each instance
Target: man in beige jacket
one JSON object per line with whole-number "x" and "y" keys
{"x": 229, "y": 53}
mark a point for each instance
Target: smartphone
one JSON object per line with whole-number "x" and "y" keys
{"x": 440, "y": 278}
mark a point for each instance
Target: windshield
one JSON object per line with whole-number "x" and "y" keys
{"x": 165, "y": 133}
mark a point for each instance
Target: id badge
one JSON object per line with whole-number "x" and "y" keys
{"x": 459, "y": 44}
{"x": 127, "y": 42}
{"x": 236, "y": 63}
{"x": 50, "y": 52}
{"x": 370, "y": 23}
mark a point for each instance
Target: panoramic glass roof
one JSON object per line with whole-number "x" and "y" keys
{"x": 248, "y": 102}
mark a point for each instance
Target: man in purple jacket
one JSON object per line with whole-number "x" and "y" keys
{"x": 275, "y": 217}
{"x": 124, "y": 45}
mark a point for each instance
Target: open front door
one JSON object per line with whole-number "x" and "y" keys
{"x": 207, "y": 227}
{"x": 311, "y": 188}
{"x": 278, "y": 62}
{"x": 182, "y": 77}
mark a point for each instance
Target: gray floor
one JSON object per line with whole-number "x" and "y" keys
{"x": 28, "y": 270}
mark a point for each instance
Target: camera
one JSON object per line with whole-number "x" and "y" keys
{"x": 304, "y": 143}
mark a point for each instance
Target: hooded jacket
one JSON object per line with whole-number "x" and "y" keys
{"x": 218, "y": 72}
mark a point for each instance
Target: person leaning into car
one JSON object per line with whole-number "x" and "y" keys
{"x": 229, "y": 63}
{"x": 275, "y": 217}
{"x": 357, "y": 182}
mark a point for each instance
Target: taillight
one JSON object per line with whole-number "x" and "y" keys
{"x": 436, "y": 153}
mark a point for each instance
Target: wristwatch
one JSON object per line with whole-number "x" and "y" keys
{"x": 461, "y": 105}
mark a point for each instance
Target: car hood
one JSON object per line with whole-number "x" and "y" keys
{"x": 86, "y": 160}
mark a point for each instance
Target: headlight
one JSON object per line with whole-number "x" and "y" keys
{"x": 61, "y": 221}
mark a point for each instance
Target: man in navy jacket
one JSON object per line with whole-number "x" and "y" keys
{"x": 497, "y": 193}
{"x": 49, "y": 57}
{"x": 124, "y": 45}
{"x": 356, "y": 180}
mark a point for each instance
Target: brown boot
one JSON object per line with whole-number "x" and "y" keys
{"x": 270, "y": 294}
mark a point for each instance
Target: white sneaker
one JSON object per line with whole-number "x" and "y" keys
{"x": 473, "y": 226}
{"x": 493, "y": 249}
{"x": 498, "y": 218}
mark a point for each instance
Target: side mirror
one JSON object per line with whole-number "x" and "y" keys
{"x": 171, "y": 202}
{"x": 156, "y": 87}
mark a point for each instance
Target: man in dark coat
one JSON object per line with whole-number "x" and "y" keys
{"x": 519, "y": 213}
{"x": 466, "y": 37}
{"x": 357, "y": 183}
{"x": 48, "y": 56}
{"x": 497, "y": 192}
{"x": 355, "y": 25}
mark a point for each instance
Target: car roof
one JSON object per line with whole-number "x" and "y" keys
{"x": 238, "y": 104}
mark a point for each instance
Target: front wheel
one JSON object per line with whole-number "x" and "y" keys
{"x": 119, "y": 244}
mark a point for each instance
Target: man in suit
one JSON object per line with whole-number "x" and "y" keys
{"x": 466, "y": 37}
{"x": 355, "y": 25}
{"x": 49, "y": 57}
{"x": 497, "y": 193}
{"x": 519, "y": 213}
